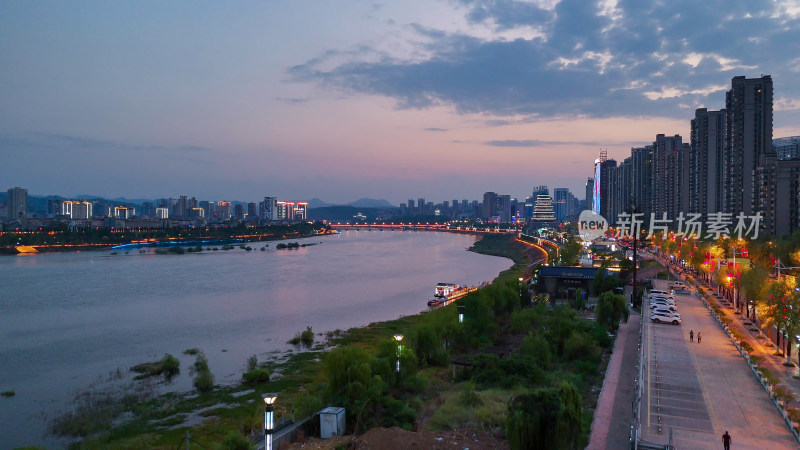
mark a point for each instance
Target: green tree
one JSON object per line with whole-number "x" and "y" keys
{"x": 611, "y": 309}
{"x": 547, "y": 418}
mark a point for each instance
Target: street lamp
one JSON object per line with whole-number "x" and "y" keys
{"x": 269, "y": 401}
{"x": 398, "y": 338}
{"x": 520, "y": 288}
{"x": 461, "y": 309}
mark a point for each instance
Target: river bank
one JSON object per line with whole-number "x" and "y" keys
{"x": 44, "y": 241}
{"x": 425, "y": 396}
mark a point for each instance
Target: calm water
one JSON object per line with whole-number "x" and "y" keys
{"x": 67, "y": 320}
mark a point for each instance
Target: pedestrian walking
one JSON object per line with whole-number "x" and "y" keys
{"x": 699, "y": 337}
{"x": 691, "y": 335}
{"x": 726, "y": 440}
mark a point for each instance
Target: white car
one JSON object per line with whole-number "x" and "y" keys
{"x": 666, "y": 318}
{"x": 666, "y": 311}
{"x": 662, "y": 300}
{"x": 663, "y": 306}
{"x": 654, "y": 292}
{"x": 677, "y": 285}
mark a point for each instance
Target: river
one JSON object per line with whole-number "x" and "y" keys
{"x": 68, "y": 320}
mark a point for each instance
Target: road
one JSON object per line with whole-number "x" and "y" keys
{"x": 696, "y": 391}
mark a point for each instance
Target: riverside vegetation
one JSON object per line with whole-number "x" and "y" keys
{"x": 526, "y": 370}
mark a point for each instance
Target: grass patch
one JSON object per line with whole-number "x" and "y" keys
{"x": 8, "y": 393}
{"x": 169, "y": 366}
{"x": 305, "y": 337}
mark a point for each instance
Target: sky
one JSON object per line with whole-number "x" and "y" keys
{"x": 340, "y": 100}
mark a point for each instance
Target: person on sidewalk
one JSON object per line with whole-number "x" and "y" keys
{"x": 699, "y": 337}
{"x": 726, "y": 440}
{"x": 691, "y": 335}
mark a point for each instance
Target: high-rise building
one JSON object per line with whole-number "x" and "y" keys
{"x": 779, "y": 195}
{"x": 223, "y": 210}
{"x": 285, "y": 210}
{"x": 238, "y": 211}
{"x": 787, "y": 147}
{"x": 162, "y": 213}
{"x": 705, "y": 161}
{"x": 251, "y": 210}
{"x": 670, "y": 168}
{"x": 124, "y": 212}
{"x": 76, "y": 209}
{"x": 269, "y": 208}
{"x": 17, "y": 203}
{"x": 748, "y": 108}
{"x": 589, "y": 193}
{"x": 543, "y": 209}
{"x": 642, "y": 183}
{"x": 561, "y": 203}
{"x": 301, "y": 211}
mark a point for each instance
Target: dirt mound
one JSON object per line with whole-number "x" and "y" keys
{"x": 398, "y": 438}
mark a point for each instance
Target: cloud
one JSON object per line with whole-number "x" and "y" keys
{"x": 292, "y": 101}
{"x": 540, "y": 143}
{"x": 55, "y": 141}
{"x": 592, "y": 59}
{"x": 435, "y": 129}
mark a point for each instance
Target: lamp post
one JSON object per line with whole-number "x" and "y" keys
{"x": 461, "y": 309}
{"x": 269, "y": 401}
{"x": 398, "y": 338}
{"x": 520, "y": 288}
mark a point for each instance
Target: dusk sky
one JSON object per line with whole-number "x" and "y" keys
{"x": 347, "y": 99}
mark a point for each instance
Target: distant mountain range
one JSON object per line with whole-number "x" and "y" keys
{"x": 360, "y": 203}
{"x": 39, "y": 202}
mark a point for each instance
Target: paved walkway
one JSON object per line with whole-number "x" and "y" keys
{"x": 611, "y": 426}
{"x": 699, "y": 390}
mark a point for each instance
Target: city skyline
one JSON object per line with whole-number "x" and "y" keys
{"x": 441, "y": 99}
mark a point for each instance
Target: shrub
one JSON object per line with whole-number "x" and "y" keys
{"x": 428, "y": 346}
{"x": 252, "y": 363}
{"x": 468, "y": 397}
{"x": 8, "y": 393}
{"x": 782, "y": 394}
{"x": 305, "y": 404}
{"x": 170, "y": 365}
{"x": 235, "y": 441}
{"x": 580, "y": 346}
{"x": 794, "y": 415}
{"x": 191, "y": 351}
{"x": 256, "y": 376}
{"x": 305, "y": 337}
{"x": 746, "y": 346}
{"x": 755, "y": 359}
{"x": 547, "y": 418}
{"x": 537, "y": 347}
{"x": 204, "y": 381}
{"x": 768, "y": 375}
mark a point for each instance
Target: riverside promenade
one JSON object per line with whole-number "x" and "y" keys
{"x": 696, "y": 391}
{"x": 611, "y": 426}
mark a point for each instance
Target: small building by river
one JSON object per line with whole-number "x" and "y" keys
{"x": 563, "y": 281}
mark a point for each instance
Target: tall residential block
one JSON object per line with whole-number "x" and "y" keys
{"x": 706, "y": 161}
{"x": 17, "y": 203}
{"x": 748, "y": 107}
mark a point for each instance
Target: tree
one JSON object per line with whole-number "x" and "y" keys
{"x": 754, "y": 284}
{"x": 611, "y": 309}
{"x": 781, "y": 309}
{"x": 603, "y": 281}
{"x": 546, "y": 418}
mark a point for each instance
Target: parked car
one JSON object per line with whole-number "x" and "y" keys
{"x": 677, "y": 284}
{"x": 665, "y": 310}
{"x": 662, "y": 300}
{"x": 655, "y": 306}
{"x": 657, "y": 291}
{"x": 666, "y": 318}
